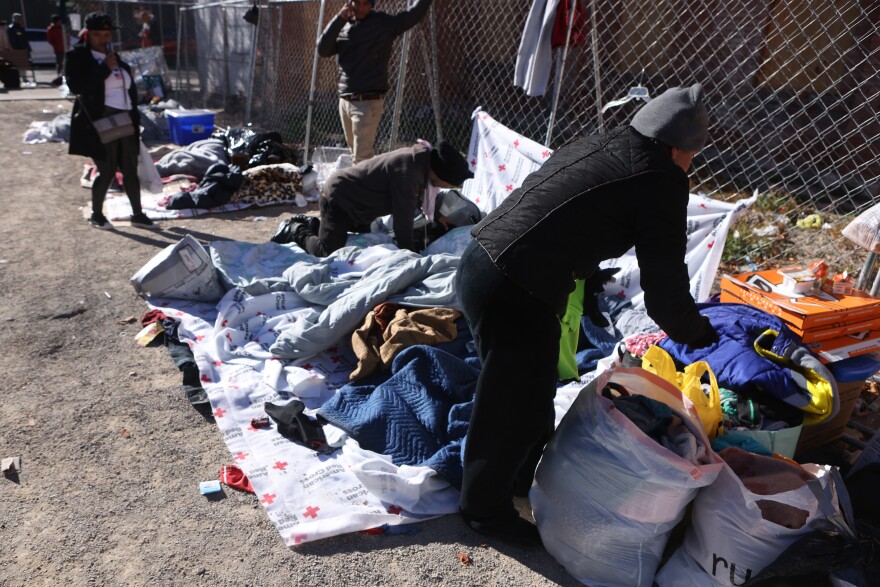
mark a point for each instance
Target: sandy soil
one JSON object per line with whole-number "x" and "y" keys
{"x": 112, "y": 453}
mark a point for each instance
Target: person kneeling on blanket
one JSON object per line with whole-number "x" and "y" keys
{"x": 592, "y": 200}
{"x": 395, "y": 183}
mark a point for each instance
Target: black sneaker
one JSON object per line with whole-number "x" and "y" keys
{"x": 100, "y": 221}
{"x": 283, "y": 234}
{"x": 312, "y": 222}
{"x": 142, "y": 221}
{"x": 513, "y": 531}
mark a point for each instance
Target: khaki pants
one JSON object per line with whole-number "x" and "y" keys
{"x": 360, "y": 120}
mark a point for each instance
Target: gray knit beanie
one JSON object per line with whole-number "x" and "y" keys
{"x": 677, "y": 117}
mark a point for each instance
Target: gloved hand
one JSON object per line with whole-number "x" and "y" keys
{"x": 593, "y": 286}
{"x": 707, "y": 338}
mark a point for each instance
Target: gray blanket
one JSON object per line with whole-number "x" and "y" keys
{"x": 194, "y": 159}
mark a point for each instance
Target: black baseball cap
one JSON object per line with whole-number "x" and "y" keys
{"x": 99, "y": 21}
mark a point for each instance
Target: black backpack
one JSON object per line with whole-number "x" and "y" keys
{"x": 9, "y": 74}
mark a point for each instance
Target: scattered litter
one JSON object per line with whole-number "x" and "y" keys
{"x": 464, "y": 558}
{"x": 262, "y": 422}
{"x": 769, "y": 230}
{"x": 127, "y": 320}
{"x": 4, "y": 261}
{"x": 811, "y": 221}
{"x": 10, "y": 465}
{"x": 125, "y": 433}
{"x": 132, "y": 373}
{"x": 206, "y": 487}
{"x": 260, "y": 218}
{"x": 201, "y": 571}
{"x": 31, "y": 421}
{"x": 109, "y": 297}
{"x": 27, "y": 152}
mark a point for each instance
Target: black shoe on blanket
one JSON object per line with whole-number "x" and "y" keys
{"x": 142, "y": 221}
{"x": 312, "y": 222}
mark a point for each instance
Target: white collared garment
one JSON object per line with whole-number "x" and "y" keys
{"x": 115, "y": 86}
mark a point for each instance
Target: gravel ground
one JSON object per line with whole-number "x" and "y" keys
{"x": 112, "y": 453}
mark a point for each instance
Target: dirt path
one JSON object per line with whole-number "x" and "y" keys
{"x": 112, "y": 453}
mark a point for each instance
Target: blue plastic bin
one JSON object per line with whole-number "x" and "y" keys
{"x": 855, "y": 368}
{"x": 188, "y": 126}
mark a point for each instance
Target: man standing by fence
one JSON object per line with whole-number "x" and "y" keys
{"x": 362, "y": 39}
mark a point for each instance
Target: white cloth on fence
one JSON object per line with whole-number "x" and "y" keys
{"x": 534, "y": 58}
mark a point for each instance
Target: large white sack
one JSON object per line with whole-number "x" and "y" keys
{"x": 606, "y": 496}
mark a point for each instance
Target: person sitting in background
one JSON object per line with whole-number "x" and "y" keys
{"x": 592, "y": 200}
{"x": 4, "y": 36}
{"x": 104, "y": 86}
{"x": 392, "y": 183}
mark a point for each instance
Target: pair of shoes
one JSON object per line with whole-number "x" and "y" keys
{"x": 512, "y": 531}
{"x": 99, "y": 221}
{"x": 141, "y": 220}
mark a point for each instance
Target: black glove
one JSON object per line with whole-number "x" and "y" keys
{"x": 707, "y": 338}
{"x": 593, "y": 286}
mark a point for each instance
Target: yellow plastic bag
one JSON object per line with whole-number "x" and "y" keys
{"x": 658, "y": 361}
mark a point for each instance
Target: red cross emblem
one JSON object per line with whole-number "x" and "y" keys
{"x": 280, "y": 465}
{"x": 299, "y": 538}
{"x": 200, "y": 338}
{"x": 711, "y": 244}
{"x": 545, "y": 154}
{"x": 394, "y": 509}
{"x": 205, "y": 378}
{"x": 219, "y": 412}
{"x": 218, "y": 363}
{"x": 311, "y": 512}
{"x": 703, "y": 205}
{"x": 502, "y": 167}
{"x": 516, "y": 143}
{"x": 509, "y": 188}
{"x": 240, "y": 456}
{"x": 473, "y": 162}
{"x": 478, "y": 199}
{"x": 268, "y": 498}
{"x": 224, "y": 323}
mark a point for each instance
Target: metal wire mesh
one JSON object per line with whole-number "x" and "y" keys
{"x": 792, "y": 85}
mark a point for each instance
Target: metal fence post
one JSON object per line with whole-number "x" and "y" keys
{"x": 401, "y": 86}
{"x": 225, "y": 57}
{"x": 253, "y": 65}
{"x": 434, "y": 75}
{"x": 594, "y": 42}
{"x": 557, "y": 86}
{"x": 313, "y": 84}
{"x": 180, "y": 14}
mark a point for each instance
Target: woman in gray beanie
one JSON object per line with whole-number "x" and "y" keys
{"x": 592, "y": 200}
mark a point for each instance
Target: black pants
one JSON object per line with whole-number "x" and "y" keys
{"x": 122, "y": 154}
{"x": 333, "y": 232}
{"x": 517, "y": 338}
{"x": 59, "y": 63}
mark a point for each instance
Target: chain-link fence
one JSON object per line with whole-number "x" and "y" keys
{"x": 792, "y": 85}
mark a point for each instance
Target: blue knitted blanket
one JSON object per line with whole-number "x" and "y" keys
{"x": 418, "y": 416}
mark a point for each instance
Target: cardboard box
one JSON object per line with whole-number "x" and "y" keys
{"x": 846, "y": 347}
{"x": 819, "y": 435}
{"x": 816, "y": 334}
{"x": 814, "y": 310}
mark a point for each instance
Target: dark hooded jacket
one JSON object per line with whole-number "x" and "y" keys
{"x": 592, "y": 200}
{"x": 390, "y": 183}
{"x": 363, "y": 48}
{"x": 85, "y": 78}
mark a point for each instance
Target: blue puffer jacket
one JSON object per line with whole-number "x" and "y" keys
{"x": 757, "y": 351}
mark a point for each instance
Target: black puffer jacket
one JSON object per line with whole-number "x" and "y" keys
{"x": 364, "y": 47}
{"x": 593, "y": 200}
{"x": 85, "y": 78}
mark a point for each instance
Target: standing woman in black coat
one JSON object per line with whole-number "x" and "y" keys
{"x": 104, "y": 86}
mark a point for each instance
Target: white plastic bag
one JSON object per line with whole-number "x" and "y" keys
{"x": 606, "y": 496}
{"x": 151, "y": 181}
{"x": 183, "y": 270}
{"x": 729, "y": 540}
